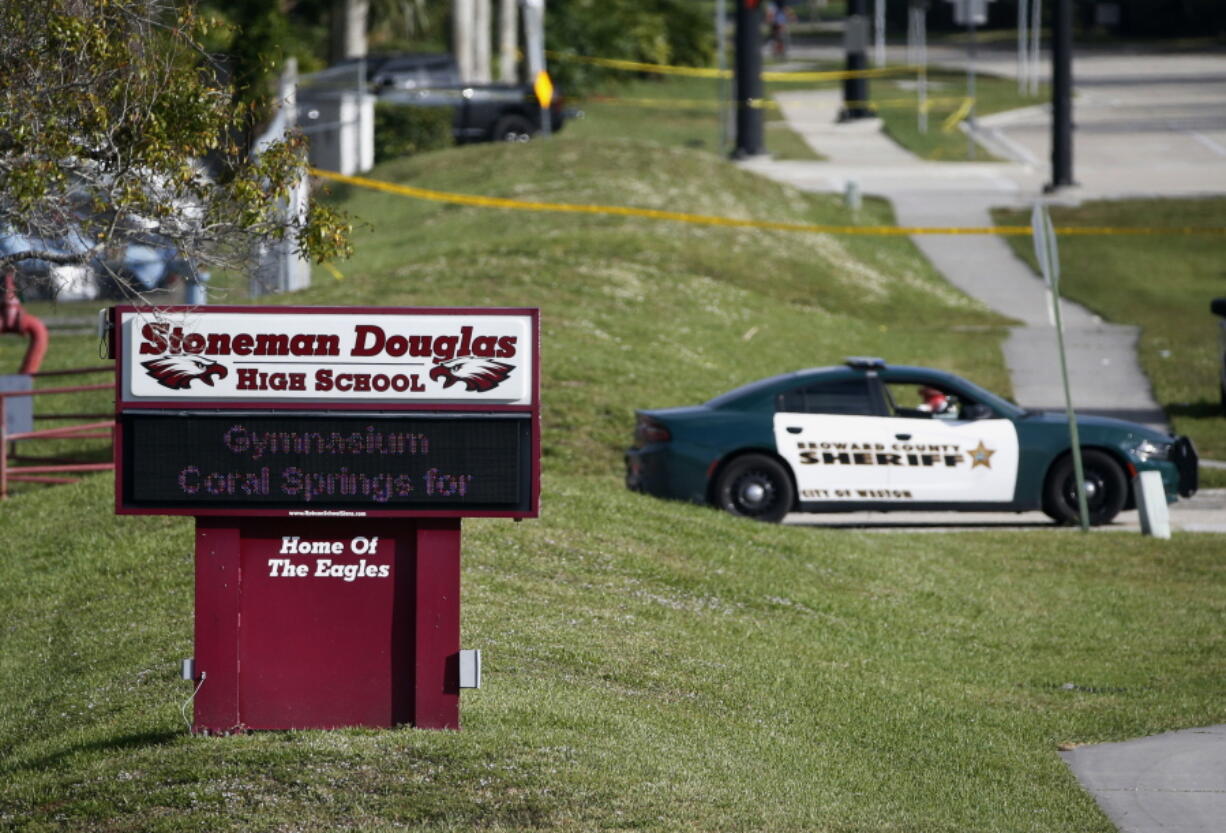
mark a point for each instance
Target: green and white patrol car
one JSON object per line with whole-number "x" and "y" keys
{"x": 869, "y": 435}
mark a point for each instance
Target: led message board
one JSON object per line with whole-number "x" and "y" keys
{"x": 319, "y": 465}
{"x": 327, "y": 411}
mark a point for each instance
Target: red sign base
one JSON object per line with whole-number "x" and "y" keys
{"x": 321, "y": 623}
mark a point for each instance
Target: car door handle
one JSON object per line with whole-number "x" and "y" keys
{"x": 794, "y": 429}
{"x": 902, "y": 436}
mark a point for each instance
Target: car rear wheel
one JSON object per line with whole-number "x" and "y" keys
{"x": 755, "y": 486}
{"x": 512, "y": 129}
{"x": 1106, "y": 489}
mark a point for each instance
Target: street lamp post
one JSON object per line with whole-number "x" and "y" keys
{"x": 855, "y": 41}
{"x": 1062, "y": 96}
{"x": 748, "y": 80}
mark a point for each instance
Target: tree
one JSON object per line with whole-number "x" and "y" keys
{"x": 116, "y": 127}
{"x": 652, "y": 31}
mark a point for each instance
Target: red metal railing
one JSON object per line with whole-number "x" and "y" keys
{"x": 52, "y": 469}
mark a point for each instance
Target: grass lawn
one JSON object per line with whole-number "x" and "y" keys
{"x": 677, "y": 111}
{"x": 649, "y": 665}
{"x": 685, "y": 112}
{"x": 897, "y": 101}
{"x": 1162, "y": 283}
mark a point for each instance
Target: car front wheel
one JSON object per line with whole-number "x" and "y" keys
{"x": 1106, "y": 489}
{"x": 755, "y": 486}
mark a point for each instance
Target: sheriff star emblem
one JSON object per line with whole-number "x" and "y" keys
{"x": 981, "y": 455}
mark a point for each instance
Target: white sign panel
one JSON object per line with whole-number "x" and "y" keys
{"x": 273, "y": 354}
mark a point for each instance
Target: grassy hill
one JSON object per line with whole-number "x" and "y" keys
{"x": 649, "y": 665}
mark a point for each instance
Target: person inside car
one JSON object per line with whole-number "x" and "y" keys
{"x": 933, "y": 401}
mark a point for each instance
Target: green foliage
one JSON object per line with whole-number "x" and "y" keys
{"x": 115, "y": 127}
{"x": 653, "y": 31}
{"x": 402, "y": 130}
{"x": 678, "y": 111}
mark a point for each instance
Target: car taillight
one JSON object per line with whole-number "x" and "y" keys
{"x": 647, "y": 431}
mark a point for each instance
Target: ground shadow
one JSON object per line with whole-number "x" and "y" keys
{"x": 1204, "y": 409}
{"x": 136, "y": 740}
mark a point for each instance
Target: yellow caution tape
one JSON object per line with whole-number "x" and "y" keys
{"x": 956, "y": 117}
{"x": 705, "y": 72}
{"x": 675, "y": 103}
{"x": 709, "y": 220}
{"x": 766, "y": 104}
{"x": 840, "y": 74}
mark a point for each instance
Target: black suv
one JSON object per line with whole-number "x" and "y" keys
{"x": 483, "y": 112}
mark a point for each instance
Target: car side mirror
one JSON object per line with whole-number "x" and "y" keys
{"x": 977, "y": 410}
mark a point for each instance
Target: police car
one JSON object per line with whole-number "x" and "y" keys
{"x": 869, "y": 435}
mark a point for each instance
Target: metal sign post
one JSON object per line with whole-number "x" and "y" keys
{"x": 721, "y": 53}
{"x": 534, "y": 35}
{"x": 879, "y": 33}
{"x": 1047, "y": 253}
{"x": 917, "y": 42}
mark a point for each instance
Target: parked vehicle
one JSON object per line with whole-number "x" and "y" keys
{"x": 43, "y": 278}
{"x": 483, "y": 112}
{"x": 874, "y": 436}
{"x": 117, "y": 273}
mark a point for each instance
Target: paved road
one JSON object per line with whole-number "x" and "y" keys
{"x": 1206, "y": 512}
{"x": 1147, "y": 123}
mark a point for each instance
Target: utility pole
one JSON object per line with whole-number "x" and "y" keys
{"x": 1062, "y": 96}
{"x": 721, "y": 52}
{"x": 748, "y": 80}
{"x": 879, "y": 33}
{"x": 855, "y": 42}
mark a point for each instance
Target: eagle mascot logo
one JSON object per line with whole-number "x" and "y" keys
{"x": 178, "y": 372}
{"x": 477, "y": 374}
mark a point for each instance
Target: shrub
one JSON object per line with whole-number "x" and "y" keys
{"x": 402, "y": 130}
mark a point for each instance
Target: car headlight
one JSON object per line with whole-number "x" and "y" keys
{"x": 1147, "y": 450}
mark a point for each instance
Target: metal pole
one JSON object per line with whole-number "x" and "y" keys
{"x": 855, "y": 41}
{"x": 970, "y": 81}
{"x": 748, "y": 82}
{"x": 922, "y": 23}
{"x": 721, "y": 52}
{"x": 1078, "y": 470}
{"x": 1023, "y": 71}
{"x": 1062, "y": 96}
{"x": 1048, "y": 254}
{"x": 1036, "y": 38}
{"x": 534, "y": 35}
{"x": 879, "y": 32}
{"x": 918, "y": 13}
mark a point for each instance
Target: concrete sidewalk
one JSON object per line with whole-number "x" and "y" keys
{"x": 1105, "y": 375}
{"x": 1174, "y": 782}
